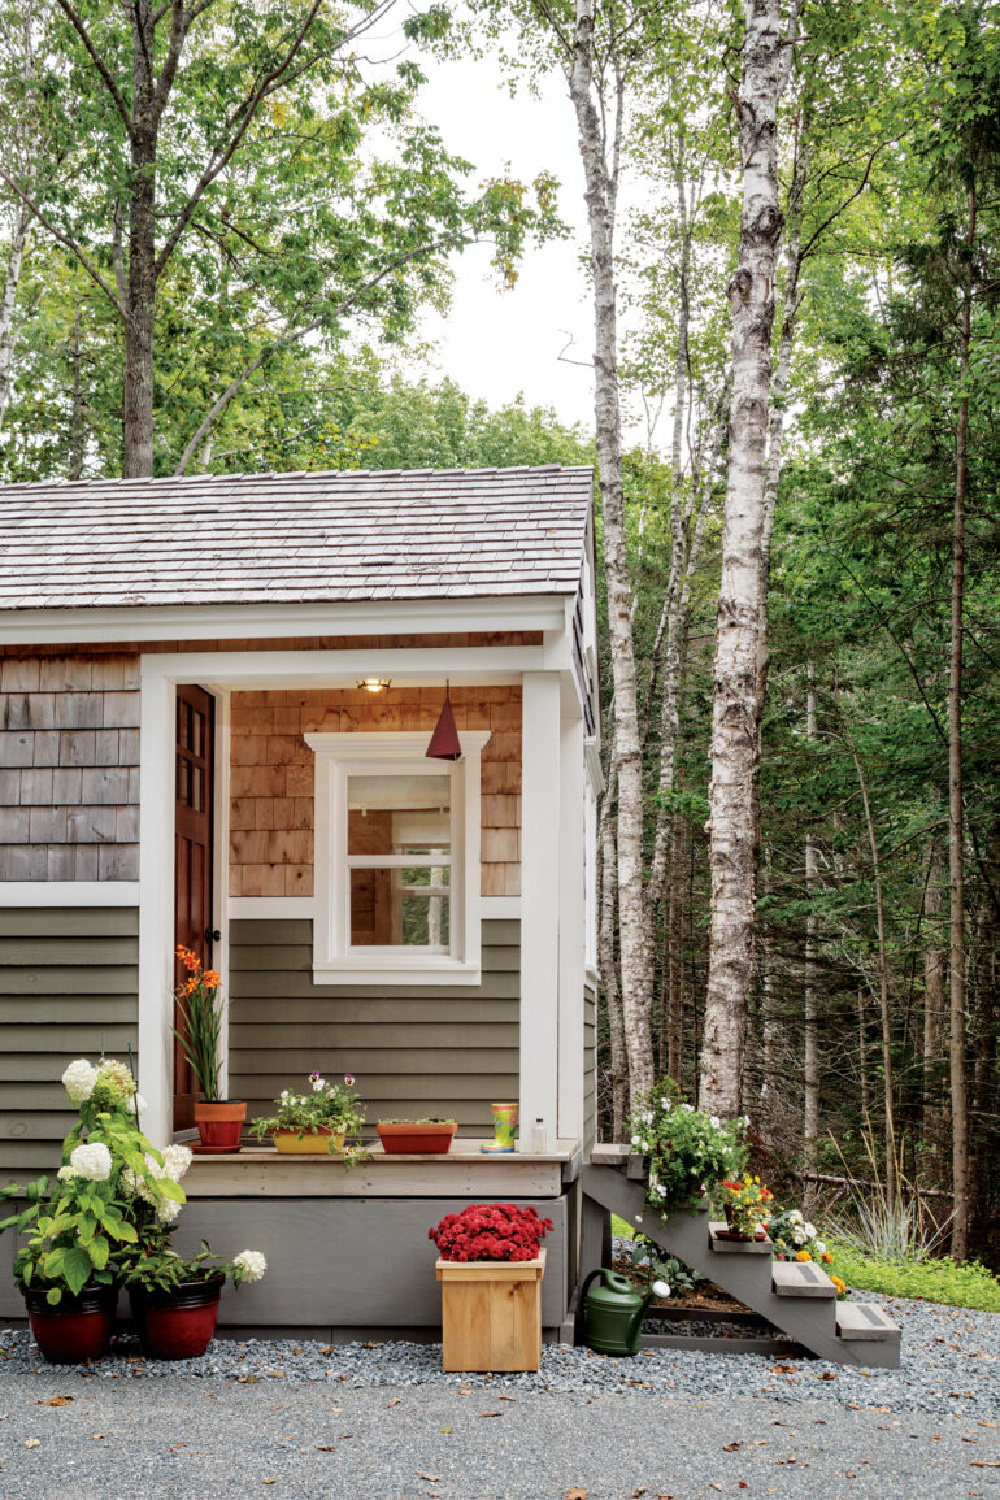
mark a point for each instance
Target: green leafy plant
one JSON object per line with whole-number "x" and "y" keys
{"x": 152, "y": 1264}
{"x": 967, "y": 1285}
{"x": 653, "y": 1265}
{"x": 200, "y": 1034}
{"x": 689, "y": 1151}
{"x": 325, "y": 1106}
{"x": 77, "y": 1224}
{"x": 746, "y": 1203}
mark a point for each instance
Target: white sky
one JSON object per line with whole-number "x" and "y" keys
{"x": 495, "y": 343}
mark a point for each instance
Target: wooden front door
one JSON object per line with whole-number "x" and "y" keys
{"x": 193, "y": 819}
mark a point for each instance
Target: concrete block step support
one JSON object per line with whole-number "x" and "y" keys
{"x": 863, "y": 1320}
{"x": 735, "y": 1247}
{"x": 793, "y": 1278}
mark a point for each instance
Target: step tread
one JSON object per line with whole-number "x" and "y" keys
{"x": 605, "y": 1152}
{"x": 735, "y": 1247}
{"x": 794, "y": 1278}
{"x": 864, "y": 1320}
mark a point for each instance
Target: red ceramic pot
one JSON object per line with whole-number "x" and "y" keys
{"x": 219, "y": 1123}
{"x": 178, "y": 1324}
{"x": 76, "y": 1328}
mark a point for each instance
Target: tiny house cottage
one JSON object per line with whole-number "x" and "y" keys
{"x": 217, "y": 696}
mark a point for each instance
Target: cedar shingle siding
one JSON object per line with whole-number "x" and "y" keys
{"x": 69, "y": 768}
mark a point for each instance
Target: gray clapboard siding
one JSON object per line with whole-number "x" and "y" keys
{"x": 68, "y": 988}
{"x": 416, "y": 1050}
{"x": 589, "y": 1067}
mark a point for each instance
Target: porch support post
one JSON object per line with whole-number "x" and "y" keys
{"x": 156, "y": 900}
{"x": 572, "y": 932}
{"x": 539, "y": 1028}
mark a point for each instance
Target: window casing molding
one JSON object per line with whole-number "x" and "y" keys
{"x": 361, "y": 753}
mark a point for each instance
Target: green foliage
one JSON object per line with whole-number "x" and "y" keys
{"x": 199, "y": 1003}
{"x": 968, "y": 1285}
{"x": 324, "y": 1105}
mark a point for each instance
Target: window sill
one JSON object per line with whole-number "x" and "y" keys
{"x": 406, "y": 971}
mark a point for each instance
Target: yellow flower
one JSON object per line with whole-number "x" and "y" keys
{"x": 826, "y": 1258}
{"x": 803, "y": 1255}
{"x": 839, "y": 1284}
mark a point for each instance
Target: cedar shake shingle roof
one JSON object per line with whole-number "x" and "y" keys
{"x": 293, "y": 538}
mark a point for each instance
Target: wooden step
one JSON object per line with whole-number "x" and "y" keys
{"x": 863, "y": 1320}
{"x": 736, "y": 1247}
{"x": 609, "y": 1154}
{"x": 800, "y": 1278}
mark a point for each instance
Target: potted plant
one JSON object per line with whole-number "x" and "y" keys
{"x": 431, "y": 1137}
{"x": 78, "y": 1225}
{"x": 175, "y": 1302}
{"x": 219, "y": 1121}
{"x": 745, "y": 1204}
{"x": 317, "y": 1121}
{"x": 688, "y": 1150}
{"x": 490, "y": 1267}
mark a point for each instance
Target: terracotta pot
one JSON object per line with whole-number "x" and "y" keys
{"x": 178, "y": 1324}
{"x": 76, "y": 1328}
{"x": 219, "y": 1123}
{"x": 325, "y": 1140}
{"x": 410, "y": 1138}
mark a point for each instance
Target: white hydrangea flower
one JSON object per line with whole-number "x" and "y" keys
{"x": 91, "y": 1161}
{"x": 810, "y": 1232}
{"x": 635, "y": 1140}
{"x": 79, "y": 1079}
{"x": 796, "y": 1216}
{"x": 284, "y": 1094}
{"x": 798, "y": 1236}
{"x": 714, "y": 1122}
{"x": 820, "y": 1248}
{"x": 252, "y": 1263}
{"x": 660, "y": 1289}
{"x": 137, "y": 1105}
{"x": 66, "y": 1174}
{"x": 176, "y": 1160}
{"x": 167, "y": 1211}
{"x": 128, "y": 1182}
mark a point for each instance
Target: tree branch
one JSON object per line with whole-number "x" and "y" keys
{"x": 65, "y": 240}
{"x": 76, "y": 21}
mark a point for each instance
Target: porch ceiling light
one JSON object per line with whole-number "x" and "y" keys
{"x": 374, "y": 684}
{"x": 445, "y": 744}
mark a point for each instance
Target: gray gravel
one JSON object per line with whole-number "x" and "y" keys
{"x": 285, "y": 1418}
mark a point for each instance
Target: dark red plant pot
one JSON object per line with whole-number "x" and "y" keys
{"x": 220, "y": 1122}
{"x": 178, "y": 1324}
{"x": 413, "y": 1138}
{"x": 76, "y": 1328}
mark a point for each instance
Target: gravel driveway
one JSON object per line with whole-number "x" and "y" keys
{"x": 302, "y": 1420}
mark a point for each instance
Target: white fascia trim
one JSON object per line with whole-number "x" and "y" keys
{"x": 391, "y": 744}
{"x": 499, "y": 907}
{"x": 69, "y": 893}
{"x": 192, "y": 622}
{"x": 272, "y": 908}
{"x": 481, "y": 666}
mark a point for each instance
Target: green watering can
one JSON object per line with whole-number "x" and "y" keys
{"x": 613, "y": 1312}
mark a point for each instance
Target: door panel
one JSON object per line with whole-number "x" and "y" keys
{"x": 193, "y": 819}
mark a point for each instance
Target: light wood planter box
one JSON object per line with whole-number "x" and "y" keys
{"x": 491, "y": 1313}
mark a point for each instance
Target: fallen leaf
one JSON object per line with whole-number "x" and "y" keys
{"x": 270, "y": 1481}
{"x": 97, "y": 1436}
{"x": 490, "y": 1414}
{"x": 32, "y": 1443}
{"x": 574, "y": 1494}
{"x": 713, "y": 1486}
{"x": 731, "y": 1447}
{"x": 325, "y": 1448}
{"x": 55, "y": 1401}
{"x": 370, "y": 1344}
{"x": 984, "y": 1463}
{"x": 326, "y": 1349}
{"x": 444, "y": 1429}
{"x": 431, "y": 1478}
{"x": 827, "y": 1375}
{"x": 508, "y": 1398}
{"x": 786, "y": 1369}
{"x": 396, "y": 1400}
{"x": 636, "y": 1494}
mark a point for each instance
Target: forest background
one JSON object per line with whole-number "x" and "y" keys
{"x": 221, "y": 224}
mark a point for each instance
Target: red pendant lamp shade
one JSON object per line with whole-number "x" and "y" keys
{"x": 444, "y": 743}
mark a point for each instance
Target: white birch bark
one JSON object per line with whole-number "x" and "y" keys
{"x": 601, "y": 176}
{"x": 606, "y": 956}
{"x": 8, "y": 303}
{"x": 735, "y": 705}
{"x": 810, "y": 1062}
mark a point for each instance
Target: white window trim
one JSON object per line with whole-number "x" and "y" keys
{"x": 339, "y": 755}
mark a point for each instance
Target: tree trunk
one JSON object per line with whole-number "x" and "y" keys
{"x": 137, "y": 390}
{"x": 77, "y": 438}
{"x": 675, "y": 954}
{"x": 933, "y": 1121}
{"x": 601, "y": 191}
{"x": 810, "y": 1070}
{"x": 736, "y": 704}
{"x": 8, "y": 303}
{"x": 956, "y": 850}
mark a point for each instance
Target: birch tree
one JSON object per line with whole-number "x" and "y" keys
{"x": 767, "y": 55}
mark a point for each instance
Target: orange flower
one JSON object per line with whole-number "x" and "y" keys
{"x": 839, "y": 1284}
{"x": 826, "y": 1258}
{"x": 190, "y": 985}
{"x": 188, "y": 957}
{"x": 803, "y": 1255}
{"x": 212, "y": 979}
